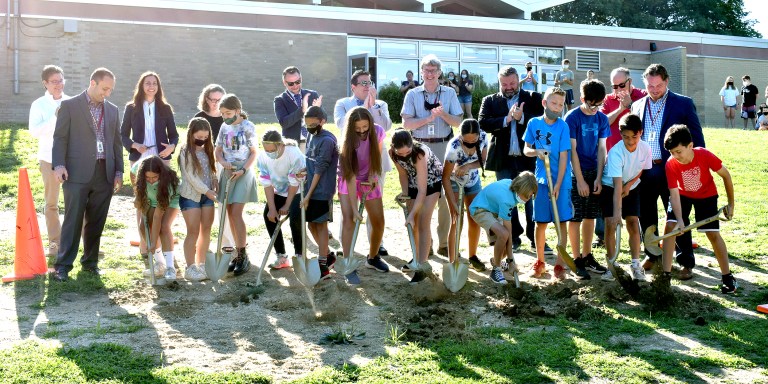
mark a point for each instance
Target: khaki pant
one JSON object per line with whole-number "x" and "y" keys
{"x": 52, "y": 188}
{"x": 443, "y": 212}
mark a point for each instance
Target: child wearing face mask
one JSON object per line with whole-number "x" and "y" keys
{"x": 279, "y": 163}
{"x": 464, "y": 155}
{"x": 157, "y": 197}
{"x": 465, "y": 93}
{"x": 549, "y": 135}
{"x": 322, "y": 162}
{"x": 359, "y": 162}
{"x": 197, "y": 195}
{"x": 564, "y": 80}
{"x": 492, "y": 210}
{"x": 236, "y": 152}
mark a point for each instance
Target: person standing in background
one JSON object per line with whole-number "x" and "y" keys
{"x": 531, "y": 80}
{"x": 729, "y": 96}
{"x": 749, "y": 101}
{"x": 564, "y": 80}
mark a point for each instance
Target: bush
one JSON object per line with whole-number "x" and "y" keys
{"x": 481, "y": 89}
{"x": 391, "y": 94}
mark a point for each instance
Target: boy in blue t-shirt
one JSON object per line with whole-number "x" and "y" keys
{"x": 322, "y": 161}
{"x": 549, "y": 135}
{"x": 589, "y": 129}
{"x": 492, "y": 210}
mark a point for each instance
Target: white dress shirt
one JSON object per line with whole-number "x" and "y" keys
{"x": 42, "y": 123}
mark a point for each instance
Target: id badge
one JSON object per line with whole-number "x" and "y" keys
{"x": 430, "y": 129}
{"x": 99, "y": 146}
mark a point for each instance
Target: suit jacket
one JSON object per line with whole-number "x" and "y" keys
{"x": 74, "y": 140}
{"x": 678, "y": 109}
{"x": 165, "y": 129}
{"x": 493, "y": 111}
{"x": 290, "y": 116}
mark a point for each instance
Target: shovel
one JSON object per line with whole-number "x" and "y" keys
{"x": 152, "y": 279}
{"x": 629, "y": 284}
{"x": 414, "y": 265}
{"x": 269, "y": 249}
{"x": 611, "y": 259}
{"x": 455, "y": 273}
{"x": 307, "y": 270}
{"x": 561, "y": 251}
{"x": 350, "y": 263}
{"x": 651, "y": 241}
{"x": 216, "y": 265}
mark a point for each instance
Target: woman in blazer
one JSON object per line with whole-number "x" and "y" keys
{"x": 148, "y": 129}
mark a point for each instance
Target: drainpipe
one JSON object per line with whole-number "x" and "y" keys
{"x": 8, "y": 26}
{"x": 16, "y": 48}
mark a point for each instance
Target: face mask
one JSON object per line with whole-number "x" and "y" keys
{"x": 363, "y": 135}
{"x": 745, "y": 83}
{"x": 403, "y": 158}
{"x": 451, "y": 77}
{"x": 552, "y": 115}
{"x": 730, "y": 83}
{"x": 463, "y": 75}
{"x": 471, "y": 145}
{"x": 314, "y": 131}
{"x": 566, "y": 66}
{"x": 230, "y": 120}
{"x": 765, "y": 113}
{"x": 200, "y": 143}
{"x": 520, "y": 198}
{"x": 273, "y": 155}
{"x": 153, "y": 184}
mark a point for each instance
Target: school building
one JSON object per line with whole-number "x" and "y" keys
{"x": 244, "y": 45}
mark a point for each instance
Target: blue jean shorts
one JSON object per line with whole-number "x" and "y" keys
{"x": 468, "y": 191}
{"x": 466, "y": 99}
{"x": 185, "y": 203}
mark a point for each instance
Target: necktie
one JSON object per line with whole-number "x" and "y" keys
{"x": 297, "y": 99}
{"x": 358, "y": 101}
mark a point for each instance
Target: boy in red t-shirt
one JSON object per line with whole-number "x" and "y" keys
{"x": 691, "y": 185}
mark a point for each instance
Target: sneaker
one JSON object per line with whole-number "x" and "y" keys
{"x": 476, "y": 264}
{"x": 608, "y": 276}
{"x": 581, "y": 270}
{"x": 383, "y": 251}
{"x": 330, "y": 260}
{"x": 599, "y": 243}
{"x": 419, "y": 276}
{"x": 539, "y": 268}
{"x": 694, "y": 244}
{"x": 170, "y": 274}
{"x": 281, "y": 262}
{"x": 442, "y": 251}
{"x": 203, "y": 274}
{"x": 592, "y": 265}
{"x": 407, "y": 266}
{"x": 516, "y": 243}
{"x": 729, "y": 285}
{"x": 192, "y": 273}
{"x": 508, "y": 265}
{"x": 497, "y": 276}
{"x": 353, "y": 278}
{"x": 325, "y": 272}
{"x": 548, "y": 250}
{"x": 377, "y": 263}
{"x": 560, "y": 272}
{"x": 159, "y": 269}
{"x": 638, "y": 273}
{"x": 648, "y": 264}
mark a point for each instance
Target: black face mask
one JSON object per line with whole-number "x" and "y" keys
{"x": 528, "y": 68}
{"x": 314, "y": 130}
{"x": 471, "y": 145}
{"x": 730, "y": 83}
{"x": 363, "y": 135}
{"x": 403, "y": 158}
{"x": 200, "y": 143}
{"x": 429, "y": 106}
{"x": 765, "y": 113}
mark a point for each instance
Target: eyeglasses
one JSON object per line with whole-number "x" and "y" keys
{"x": 212, "y": 100}
{"x": 56, "y": 82}
{"x": 593, "y": 107}
{"x": 430, "y": 71}
{"x": 292, "y": 83}
{"x": 365, "y": 83}
{"x": 622, "y": 85}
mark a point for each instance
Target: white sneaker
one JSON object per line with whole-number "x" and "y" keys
{"x": 159, "y": 269}
{"x": 193, "y": 273}
{"x": 607, "y": 276}
{"x": 281, "y": 262}
{"x": 638, "y": 273}
{"x": 170, "y": 274}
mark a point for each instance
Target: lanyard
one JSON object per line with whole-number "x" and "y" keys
{"x": 293, "y": 98}
{"x": 658, "y": 112}
{"x": 101, "y": 117}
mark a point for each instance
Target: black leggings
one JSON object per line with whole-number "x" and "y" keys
{"x": 295, "y": 222}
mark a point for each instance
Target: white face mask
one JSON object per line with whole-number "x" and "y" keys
{"x": 463, "y": 75}
{"x": 745, "y": 83}
{"x": 566, "y": 66}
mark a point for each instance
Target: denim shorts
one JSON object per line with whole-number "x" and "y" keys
{"x": 468, "y": 190}
{"x": 185, "y": 203}
{"x": 466, "y": 99}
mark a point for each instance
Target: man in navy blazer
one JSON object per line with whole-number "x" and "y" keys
{"x": 500, "y": 115}
{"x": 88, "y": 160}
{"x": 291, "y": 105}
{"x": 659, "y": 110}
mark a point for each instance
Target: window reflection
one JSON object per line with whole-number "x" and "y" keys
{"x": 484, "y": 75}
{"x": 358, "y": 45}
{"x": 470, "y": 52}
{"x": 397, "y": 48}
{"x": 393, "y": 71}
{"x": 518, "y": 55}
{"x": 550, "y": 56}
{"x": 442, "y": 51}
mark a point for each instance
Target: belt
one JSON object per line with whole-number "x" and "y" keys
{"x": 101, "y": 160}
{"x": 657, "y": 161}
{"x": 435, "y": 140}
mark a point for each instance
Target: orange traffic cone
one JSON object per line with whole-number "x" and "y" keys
{"x": 30, "y": 259}
{"x": 763, "y": 308}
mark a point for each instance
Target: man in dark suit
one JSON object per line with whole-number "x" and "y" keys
{"x": 291, "y": 105}
{"x": 505, "y": 115}
{"x": 660, "y": 110}
{"x": 88, "y": 160}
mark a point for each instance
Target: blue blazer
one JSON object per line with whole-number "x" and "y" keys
{"x": 678, "y": 109}
{"x": 290, "y": 116}
{"x": 165, "y": 129}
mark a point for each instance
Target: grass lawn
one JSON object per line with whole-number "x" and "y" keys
{"x": 609, "y": 342}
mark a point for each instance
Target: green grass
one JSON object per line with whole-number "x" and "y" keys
{"x": 610, "y": 342}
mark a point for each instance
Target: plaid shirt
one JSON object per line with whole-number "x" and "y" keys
{"x": 97, "y": 109}
{"x": 653, "y": 116}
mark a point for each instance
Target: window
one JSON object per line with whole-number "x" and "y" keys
{"x": 474, "y": 52}
{"x": 547, "y": 78}
{"x": 398, "y": 48}
{"x": 442, "y": 51}
{"x": 358, "y": 45}
{"x": 484, "y": 75}
{"x": 550, "y": 56}
{"x": 518, "y": 55}
{"x": 588, "y": 60}
{"x": 393, "y": 71}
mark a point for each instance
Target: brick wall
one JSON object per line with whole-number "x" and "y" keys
{"x": 608, "y": 61}
{"x": 674, "y": 60}
{"x": 248, "y": 63}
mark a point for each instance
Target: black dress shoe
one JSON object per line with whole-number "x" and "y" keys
{"x": 61, "y": 276}
{"x": 242, "y": 265}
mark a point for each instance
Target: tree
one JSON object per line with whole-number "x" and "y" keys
{"x": 720, "y": 17}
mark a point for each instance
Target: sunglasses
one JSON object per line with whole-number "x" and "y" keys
{"x": 365, "y": 83}
{"x": 292, "y": 83}
{"x": 622, "y": 85}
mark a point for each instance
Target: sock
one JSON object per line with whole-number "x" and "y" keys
{"x": 168, "y": 259}
{"x": 728, "y": 279}
{"x": 635, "y": 262}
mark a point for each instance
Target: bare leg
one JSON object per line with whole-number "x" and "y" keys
{"x": 204, "y": 241}
{"x": 541, "y": 238}
{"x": 721, "y": 252}
{"x": 375, "y": 210}
{"x": 347, "y": 224}
{"x": 192, "y": 220}
{"x": 633, "y": 228}
{"x": 573, "y": 236}
{"x": 473, "y": 229}
{"x": 236, "y": 222}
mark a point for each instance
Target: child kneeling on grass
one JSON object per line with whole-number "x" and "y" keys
{"x": 691, "y": 185}
{"x": 492, "y": 209}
